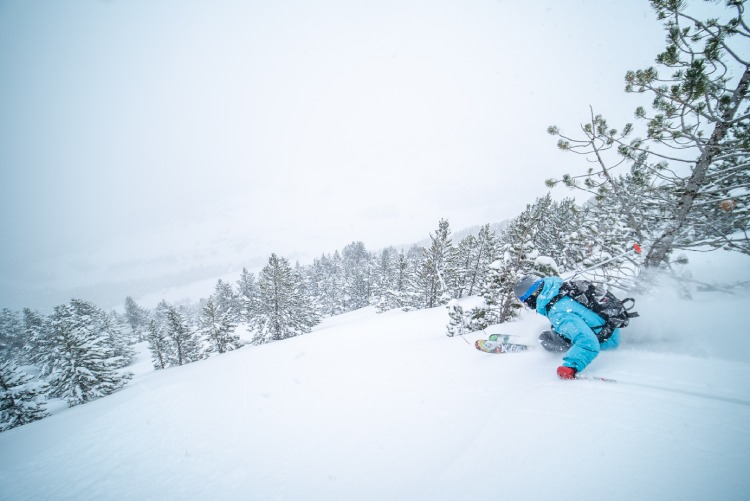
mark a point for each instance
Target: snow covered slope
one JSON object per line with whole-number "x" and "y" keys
{"x": 386, "y": 407}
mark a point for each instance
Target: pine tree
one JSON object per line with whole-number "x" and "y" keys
{"x": 602, "y": 234}
{"x": 160, "y": 314}
{"x": 456, "y": 324}
{"x": 394, "y": 281}
{"x": 12, "y": 336}
{"x": 484, "y": 255}
{"x": 356, "y": 268}
{"x": 515, "y": 248}
{"x": 282, "y": 311}
{"x": 328, "y": 277}
{"x": 573, "y": 238}
{"x": 162, "y": 349}
{"x": 438, "y": 268}
{"x": 412, "y": 296}
{"x": 693, "y": 161}
{"x": 462, "y": 322}
{"x": 217, "y": 328}
{"x": 40, "y": 350}
{"x": 708, "y": 85}
{"x": 186, "y": 347}
{"x": 474, "y": 256}
{"x": 464, "y": 257}
{"x": 84, "y": 364}
{"x": 137, "y": 318}
{"x": 308, "y": 289}
{"x": 497, "y": 291}
{"x": 247, "y": 292}
{"x": 553, "y": 223}
{"x": 518, "y": 247}
{"x": 383, "y": 274}
{"x": 113, "y": 327}
{"x": 21, "y": 401}
{"x": 228, "y": 301}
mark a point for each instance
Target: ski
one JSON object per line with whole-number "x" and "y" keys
{"x": 504, "y": 338}
{"x": 498, "y": 346}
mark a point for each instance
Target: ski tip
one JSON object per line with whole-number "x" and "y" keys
{"x": 498, "y": 347}
{"x": 481, "y": 345}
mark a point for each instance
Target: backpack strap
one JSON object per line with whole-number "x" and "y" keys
{"x": 554, "y": 300}
{"x": 561, "y": 293}
{"x": 631, "y": 314}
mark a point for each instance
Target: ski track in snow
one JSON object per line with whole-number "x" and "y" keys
{"x": 384, "y": 406}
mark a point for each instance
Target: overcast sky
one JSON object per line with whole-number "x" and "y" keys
{"x": 149, "y": 143}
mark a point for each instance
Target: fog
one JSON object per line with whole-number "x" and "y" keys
{"x": 146, "y": 145}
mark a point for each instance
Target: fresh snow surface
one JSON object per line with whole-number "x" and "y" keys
{"x": 386, "y": 407}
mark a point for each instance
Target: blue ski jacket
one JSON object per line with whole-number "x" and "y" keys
{"x": 574, "y": 321}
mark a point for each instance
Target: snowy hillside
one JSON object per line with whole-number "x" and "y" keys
{"x": 385, "y": 406}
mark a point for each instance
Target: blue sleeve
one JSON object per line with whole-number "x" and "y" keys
{"x": 550, "y": 290}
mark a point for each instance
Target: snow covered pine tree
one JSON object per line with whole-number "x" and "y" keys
{"x": 84, "y": 365}
{"x": 21, "y": 399}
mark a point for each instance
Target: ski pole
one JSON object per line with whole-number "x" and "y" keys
{"x": 636, "y": 248}
{"x": 462, "y": 337}
{"x": 596, "y": 378}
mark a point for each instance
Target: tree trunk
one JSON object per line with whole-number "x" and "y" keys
{"x": 664, "y": 244}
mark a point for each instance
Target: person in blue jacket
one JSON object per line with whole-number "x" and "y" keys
{"x": 573, "y": 325}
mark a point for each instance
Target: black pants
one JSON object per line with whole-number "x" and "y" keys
{"x": 554, "y": 342}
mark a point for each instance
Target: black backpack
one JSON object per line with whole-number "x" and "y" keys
{"x": 600, "y": 301}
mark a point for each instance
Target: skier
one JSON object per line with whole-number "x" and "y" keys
{"x": 573, "y": 325}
